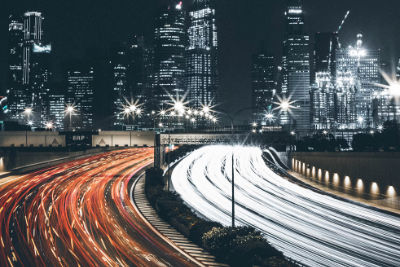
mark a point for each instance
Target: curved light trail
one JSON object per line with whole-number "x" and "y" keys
{"x": 308, "y": 226}
{"x": 80, "y": 214}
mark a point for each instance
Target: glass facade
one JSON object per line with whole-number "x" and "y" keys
{"x": 169, "y": 54}
{"x": 202, "y": 54}
{"x": 80, "y": 92}
{"x": 17, "y": 101}
{"x": 263, "y": 87}
{"x": 296, "y": 69}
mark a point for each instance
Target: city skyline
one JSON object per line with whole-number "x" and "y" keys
{"x": 235, "y": 83}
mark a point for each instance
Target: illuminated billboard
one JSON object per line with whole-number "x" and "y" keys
{"x": 37, "y": 48}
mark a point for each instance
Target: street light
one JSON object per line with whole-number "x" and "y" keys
{"x": 70, "y": 111}
{"x": 49, "y": 125}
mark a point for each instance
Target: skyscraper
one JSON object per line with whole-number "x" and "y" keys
{"x": 169, "y": 53}
{"x": 296, "y": 68}
{"x": 263, "y": 86}
{"x": 57, "y": 107}
{"x": 326, "y": 44}
{"x": 80, "y": 94}
{"x": 119, "y": 66}
{"x": 36, "y": 67}
{"x": 357, "y": 71}
{"x": 202, "y": 54}
{"x": 33, "y": 34}
{"x": 323, "y": 86}
{"x": 17, "y": 99}
{"x": 140, "y": 70}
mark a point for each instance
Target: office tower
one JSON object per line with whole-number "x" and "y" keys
{"x": 119, "y": 66}
{"x": 263, "y": 87}
{"x": 36, "y": 67}
{"x": 326, "y": 44}
{"x": 169, "y": 54}
{"x": 39, "y": 85}
{"x": 80, "y": 93}
{"x": 323, "y": 99}
{"x": 296, "y": 69}
{"x": 323, "y": 86}
{"x": 202, "y": 54}
{"x": 359, "y": 67}
{"x": 140, "y": 70}
{"x": 57, "y": 107}
{"x": 17, "y": 99}
{"x": 33, "y": 34}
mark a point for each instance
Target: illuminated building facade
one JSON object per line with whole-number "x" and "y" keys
{"x": 263, "y": 87}
{"x": 322, "y": 99}
{"x": 80, "y": 94}
{"x": 202, "y": 54}
{"x": 323, "y": 87}
{"x": 119, "y": 65}
{"x": 36, "y": 73}
{"x": 57, "y": 107}
{"x": 296, "y": 69}
{"x": 169, "y": 54}
{"x": 358, "y": 73}
{"x": 17, "y": 98}
{"x": 33, "y": 34}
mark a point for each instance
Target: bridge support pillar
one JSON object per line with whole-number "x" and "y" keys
{"x": 158, "y": 152}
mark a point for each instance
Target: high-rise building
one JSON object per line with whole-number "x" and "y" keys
{"x": 359, "y": 67}
{"x": 17, "y": 98}
{"x": 296, "y": 69}
{"x": 140, "y": 70}
{"x": 326, "y": 44}
{"x": 202, "y": 54}
{"x": 169, "y": 53}
{"x": 57, "y": 107}
{"x": 36, "y": 67}
{"x": 323, "y": 87}
{"x": 80, "y": 94}
{"x": 322, "y": 99}
{"x": 119, "y": 65}
{"x": 263, "y": 87}
{"x": 33, "y": 34}
{"x": 40, "y": 78}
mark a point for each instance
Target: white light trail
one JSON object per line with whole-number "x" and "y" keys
{"x": 308, "y": 226}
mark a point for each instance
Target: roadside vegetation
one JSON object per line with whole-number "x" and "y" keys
{"x": 238, "y": 247}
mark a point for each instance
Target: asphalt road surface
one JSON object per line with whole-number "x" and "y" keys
{"x": 80, "y": 214}
{"x": 311, "y": 227}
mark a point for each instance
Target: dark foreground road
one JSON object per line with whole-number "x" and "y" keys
{"x": 80, "y": 214}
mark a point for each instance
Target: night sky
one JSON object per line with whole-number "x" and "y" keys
{"x": 77, "y": 26}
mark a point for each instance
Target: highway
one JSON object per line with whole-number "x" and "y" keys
{"x": 80, "y": 214}
{"x": 307, "y": 225}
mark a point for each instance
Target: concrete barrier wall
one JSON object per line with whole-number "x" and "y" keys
{"x": 35, "y": 139}
{"x": 381, "y": 167}
{"x": 14, "y": 159}
{"x": 112, "y": 139}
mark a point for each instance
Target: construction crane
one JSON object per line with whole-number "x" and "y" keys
{"x": 343, "y": 22}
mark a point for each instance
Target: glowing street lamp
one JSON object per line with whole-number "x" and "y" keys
{"x": 133, "y": 108}
{"x": 49, "y": 125}
{"x": 70, "y": 111}
{"x": 127, "y": 111}
{"x": 28, "y": 111}
{"x": 270, "y": 117}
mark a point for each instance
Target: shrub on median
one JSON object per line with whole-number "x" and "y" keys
{"x": 242, "y": 246}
